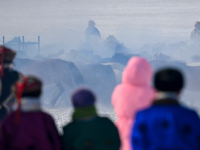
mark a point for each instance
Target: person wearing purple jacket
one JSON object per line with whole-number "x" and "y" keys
{"x": 28, "y": 128}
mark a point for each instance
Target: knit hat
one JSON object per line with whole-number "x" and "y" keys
{"x": 30, "y": 87}
{"x": 169, "y": 79}
{"x": 6, "y": 57}
{"x": 83, "y": 97}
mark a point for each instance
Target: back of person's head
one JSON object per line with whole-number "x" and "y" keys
{"x": 6, "y": 58}
{"x": 6, "y": 55}
{"x": 83, "y": 101}
{"x": 30, "y": 87}
{"x": 168, "y": 80}
{"x": 83, "y": 97}
{"x": 91, "y": 23}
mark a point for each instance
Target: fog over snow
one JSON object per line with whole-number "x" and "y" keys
{"x": 62, "y": 23}
{"x": 133, "y": 22}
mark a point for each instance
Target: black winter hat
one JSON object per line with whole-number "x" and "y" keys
{"x": 168, "y": 79}
{"x": 6, "y": 55}
{"x": 33, "y": 87}
{"x": 30, "y": 87}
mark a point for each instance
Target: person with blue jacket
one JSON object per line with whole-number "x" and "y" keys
{"x": 167, "y": 125}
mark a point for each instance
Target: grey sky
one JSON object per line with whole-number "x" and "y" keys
{"x": 131, "y": 21}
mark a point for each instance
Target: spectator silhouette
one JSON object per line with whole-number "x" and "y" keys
{"x": 87, "y": 130}
{"x": 28, "y": 128}
{"x": 167, "y": 125}
{"x": 132, "y": 95}
{"x": 8, "y": 76}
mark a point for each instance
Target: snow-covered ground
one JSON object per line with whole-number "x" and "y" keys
{"x": 62, "y": 116}
{"x": 133, "y": 22}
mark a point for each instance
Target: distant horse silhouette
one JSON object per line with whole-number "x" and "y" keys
{"x": 53, "y": 71}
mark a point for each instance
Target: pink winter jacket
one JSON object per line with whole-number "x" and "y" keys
{"x": 132, "y": 95}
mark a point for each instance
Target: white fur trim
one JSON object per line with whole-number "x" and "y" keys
{"x": 165, "y": 95}
{"x": 29, "y": 105}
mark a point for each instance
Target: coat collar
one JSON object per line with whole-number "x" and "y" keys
{"x": 165, "y": 102}
{"x": 29, "y": 105}
{"x": 166, "y": 98}
{"x": 7, "y": 66}
{"x": 167, "y": 95}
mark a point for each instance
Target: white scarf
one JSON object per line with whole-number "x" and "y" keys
{"x": 11, "y": 66}
{"x": 167, "y": 95}
{"x": 28, "y": 105}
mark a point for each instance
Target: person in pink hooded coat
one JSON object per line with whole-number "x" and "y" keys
{"x": 132, "y": 95}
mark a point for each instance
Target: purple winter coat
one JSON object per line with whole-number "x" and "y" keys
{"x": 35, "y": 131}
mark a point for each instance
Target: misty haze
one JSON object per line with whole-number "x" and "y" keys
{"x": 64, "y": 59}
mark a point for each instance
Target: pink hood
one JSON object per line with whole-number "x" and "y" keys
{"x": 132, "y": 95}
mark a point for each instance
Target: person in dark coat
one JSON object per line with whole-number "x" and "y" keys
{"x": 87, "y": 130}
{"x": 195, "y": 34}
{"x": 8, "y": 76}
{"x": 92, "y": 34}
{"x": 27, "y": 127}
{"x": 167, "y": 125}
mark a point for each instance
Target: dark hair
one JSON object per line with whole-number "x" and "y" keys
{"x": 83, "y": 97}
{"x": 34, "y": 94}
{"x": 33, "y": 87}
{"x": 169, "y": 79}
